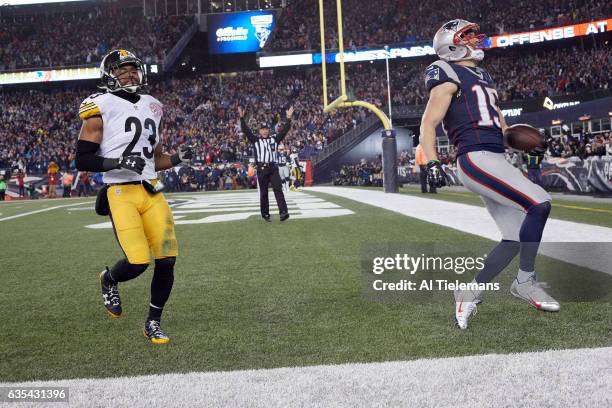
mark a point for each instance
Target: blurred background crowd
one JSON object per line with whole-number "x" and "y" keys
{"x": 393, "y": 21}
{"x": 79, "y": 38}
{"x": 40, "y": 126}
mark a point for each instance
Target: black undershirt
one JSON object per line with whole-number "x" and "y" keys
{"x": 128, "y": 96}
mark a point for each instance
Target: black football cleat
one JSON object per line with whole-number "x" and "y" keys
{"x": 154, "y": 333}
{"x": 284, "y": 217}
{"x": 110, "y": 295}
{"x": 266, "y": 218}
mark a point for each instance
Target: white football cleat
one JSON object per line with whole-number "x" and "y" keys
{"x": 465, "y": 307}
{"x": 532, "y": 292}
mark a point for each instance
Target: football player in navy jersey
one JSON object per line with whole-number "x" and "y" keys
{"x": 283, "y": 166}
{"x": 464, "y": 99}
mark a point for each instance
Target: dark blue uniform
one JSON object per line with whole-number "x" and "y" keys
{"x": 282, "y": 159}
{"x": 472, "y": 122}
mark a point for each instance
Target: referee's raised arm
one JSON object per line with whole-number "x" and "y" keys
{"x": 245, "y": 128}
{"x": 281, "y": 135}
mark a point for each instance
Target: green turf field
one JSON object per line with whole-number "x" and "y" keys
{"x": 248, "y": 294}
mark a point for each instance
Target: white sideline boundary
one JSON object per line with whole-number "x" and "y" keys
{"x": 477, "y": 221}
{"x": 562, "y": 378}
{"x": 12, "y": 217}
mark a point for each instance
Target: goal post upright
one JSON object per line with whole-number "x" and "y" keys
{"x": 342, "y": 101}
{"x": 389, "y": 144}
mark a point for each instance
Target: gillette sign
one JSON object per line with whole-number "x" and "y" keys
{"x": 232, "y": 34}
{"x": 239, "y": 32}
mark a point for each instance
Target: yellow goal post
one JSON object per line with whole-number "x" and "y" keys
{"x": 342, "y": 101}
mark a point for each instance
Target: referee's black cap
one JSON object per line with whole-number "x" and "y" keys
{"x": 264, "y": 125}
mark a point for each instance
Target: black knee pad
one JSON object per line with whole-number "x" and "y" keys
{"x": 165, "y": 264}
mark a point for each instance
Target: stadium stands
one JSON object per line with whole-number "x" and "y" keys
{"x": 407, "y": 21}
{"x": 80, "y": 38}
{"x": 37, "y": 126}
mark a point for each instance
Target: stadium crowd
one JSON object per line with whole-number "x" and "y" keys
{"x": 581, "y": 146}
{"x": 408, "y": 21}
{"x": 37, "y": 127}
{"x": 364, "y": 173}
{"x": 79, "y": 38}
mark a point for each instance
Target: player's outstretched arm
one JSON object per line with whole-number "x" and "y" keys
{"x": 164, "y": 161}
{"x": 88, "y": 145}
{"x": 440, "y": 99}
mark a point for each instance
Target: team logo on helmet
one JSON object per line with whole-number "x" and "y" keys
{"x": 451, "y": 25}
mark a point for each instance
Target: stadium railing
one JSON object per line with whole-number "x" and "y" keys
{"x": 359, "y": 131}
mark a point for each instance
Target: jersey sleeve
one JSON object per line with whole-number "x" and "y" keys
{"x": 439, "y": 73}
{"x": 89, "y": 108}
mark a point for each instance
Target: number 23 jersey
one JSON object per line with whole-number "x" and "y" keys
{"x": 129, "y": 128}
{"x": 472, "y": 121}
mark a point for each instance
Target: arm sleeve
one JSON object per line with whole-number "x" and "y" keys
{"x": 281, "y": 135}
{"x": 247, "y": 132}
{"x": 87, "y": 160}
{"x": 438, "y": 73}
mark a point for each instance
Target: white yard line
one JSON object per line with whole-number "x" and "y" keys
{"x": 562, "y": 378}
{"x": 476, "y": 220}
{"x": 12, "y": 217}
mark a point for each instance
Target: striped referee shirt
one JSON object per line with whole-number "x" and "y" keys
{"x": 265, "y": 148}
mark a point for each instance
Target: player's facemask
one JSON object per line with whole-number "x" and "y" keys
{"x": 471, "y": 38}
{"x": 114, "y": 60}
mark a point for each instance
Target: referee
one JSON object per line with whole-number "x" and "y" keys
{"x": 266, "y": 147}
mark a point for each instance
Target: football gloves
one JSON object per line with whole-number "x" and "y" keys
{"x": 436, "y": 177}
{"x": 183, "y": 155}
{"x": 132, "y": 162}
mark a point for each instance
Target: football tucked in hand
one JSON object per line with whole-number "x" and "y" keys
{"x": 524, "y": 137}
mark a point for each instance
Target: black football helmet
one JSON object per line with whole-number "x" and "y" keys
{"x": 114, "y": 60}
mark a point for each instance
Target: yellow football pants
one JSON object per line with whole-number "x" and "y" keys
{"x": 143, "y": 223}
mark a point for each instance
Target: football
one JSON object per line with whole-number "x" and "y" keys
{"x": 524, "y": 137}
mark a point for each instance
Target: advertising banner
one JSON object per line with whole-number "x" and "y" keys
{"x": 230, "y": 33}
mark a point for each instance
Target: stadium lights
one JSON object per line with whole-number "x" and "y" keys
{"x": 556, "y": 122}
{"x": 584, "y": 118}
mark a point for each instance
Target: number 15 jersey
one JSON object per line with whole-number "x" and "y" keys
{"x": 129, "y": 129}
{"x": 472, "y": 121}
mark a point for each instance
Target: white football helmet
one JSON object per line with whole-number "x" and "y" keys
{"x": 459, "y": 40}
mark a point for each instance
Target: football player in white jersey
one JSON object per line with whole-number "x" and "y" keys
{"x": 296, "y": 172}
{"x": 121, "y": 137}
